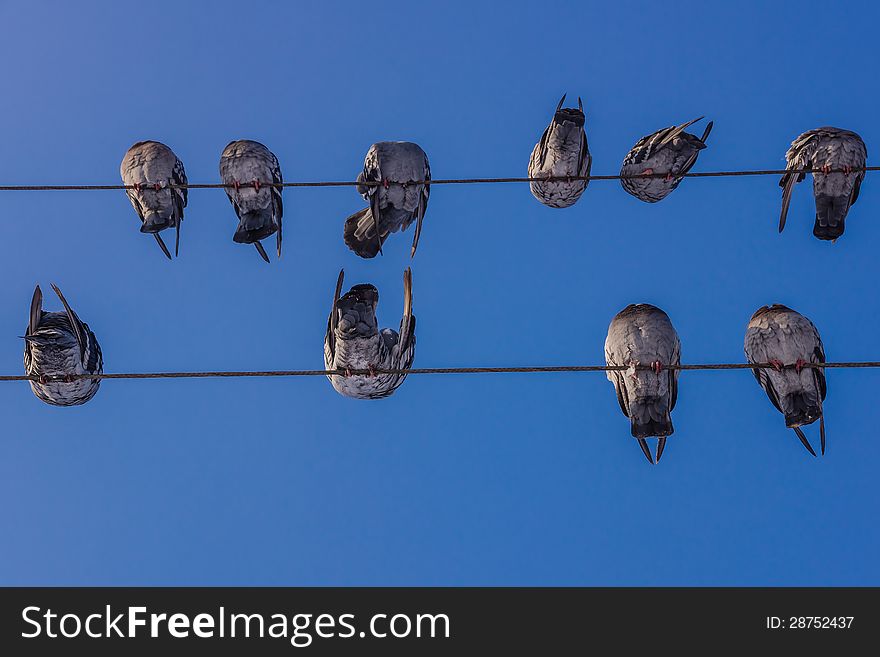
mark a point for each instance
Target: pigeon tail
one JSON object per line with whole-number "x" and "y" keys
{"x": 830, "y": 215}
{"x": 650, "y": 417}
{"x": 154, "y": 222}
{"x": 357, "y": 311}
{"x": 360, "y": 235}
{"x": 570, "y": 115}
{"x": 255, "y": 226}
{"x": 799, "y": 410}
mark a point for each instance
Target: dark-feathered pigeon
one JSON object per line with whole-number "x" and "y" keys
{"x": 394, "y": 204}
{"x": 354, "y": 342}
{"x": 151, "y": 167}
{"x": 562, "y": 151}
{"x": 59, "y": 344}
{"x": 642, "y": 336}
{"x": 670, "y": 151}
{"x": 252, "y": 170}
{"x": 826, "y": 148}
{"x": 787, "y": 340}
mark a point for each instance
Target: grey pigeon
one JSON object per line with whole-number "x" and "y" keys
{"x": 151, "y": 167}
{"x": 252, "y": 170}
{"x": 788, "y": 341}
{"x": 562, "y": 151}
{"x": 826, "y": 148}
{"x": 394, "y": 204}
{"x": 355, "y": 342}
{"x": 59, "y": 344}
{"x": 670, "y": 151}
{"x": 642, "y": 336}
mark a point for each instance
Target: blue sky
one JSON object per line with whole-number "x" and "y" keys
{"x": 482, "y": 480}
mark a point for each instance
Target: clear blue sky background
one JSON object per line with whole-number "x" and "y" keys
{"x": 501, "y": 479}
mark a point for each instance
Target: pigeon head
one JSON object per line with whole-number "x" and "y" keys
{"x": 770, "y": 310}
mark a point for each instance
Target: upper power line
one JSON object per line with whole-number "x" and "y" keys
{"x": 436, "y": 181}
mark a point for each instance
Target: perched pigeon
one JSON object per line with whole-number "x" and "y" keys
{"x": 354, "y": 342}
{"x": 252, "y": 169}
{"x": 641, "y": 336}
{"x": 826, "y": 148}
{"x": 670, "y": 151}
{"x": 151, "y": 167}
{"x": 58, "y": 344}
{"x": 562, "y": 151}
{"x": 788, "y": 341}
{"x": 394, "y": 204}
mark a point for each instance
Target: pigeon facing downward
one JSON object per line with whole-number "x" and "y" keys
{"x": 562, "y": 151}
{"x": 642, "y": 336}
{"x": 670, "y": 151}
{"x": 58, "y": 344}
{"x": 252, "y": 170}
{"x": 788, "y": 341}
{"x": 395, "y": 203}
{"x": 151, "y": 167}
{"x": 826, "y": 148}
{"x": 835, "y": 191}
{"x": 354, "y": 342}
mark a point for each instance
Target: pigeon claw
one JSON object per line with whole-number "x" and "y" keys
{"x": 372, "y": 372}
{"x": 777, "y": 364}
{"x": 236, "y": 185}
{"x": 385, "y": 183}
{"x": 668, "y": 177}
{"x": 799, "y": 365}
{"x": 826, "y": 169}
{"x": 69, "y": 378}
{"x": 657, "y": 367}
{"x": 44, "y": 379}
{"x": 256, "y": 184}
{"x": 347, "y": 373}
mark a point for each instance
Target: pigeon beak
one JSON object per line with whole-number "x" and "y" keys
{"x": 646, "y": 450}
{"x": 561, "y": 100}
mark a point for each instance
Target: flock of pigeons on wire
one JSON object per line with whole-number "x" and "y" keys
{"x": 61, "y": 351}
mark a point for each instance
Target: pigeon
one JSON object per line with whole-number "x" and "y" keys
{"x": 835, "y": 191}
{"x": 354, "y": 342}
{"x": 642, "y": 336}
{"x": 57, "y": 345}
{"x": 395, "y": 203}
{"x": 150, "y": 167}
{"x": 788, "y": 341}
{"x": 253, "y": 171}
{"x": 670, "y": 151}
{"x": 826, "y": 148}
{"x": 562, "y": 151}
